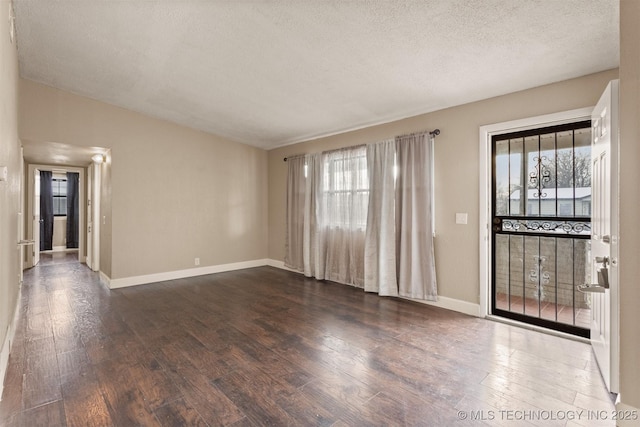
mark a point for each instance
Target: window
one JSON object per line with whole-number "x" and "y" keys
{"x": 345, "y": 188}
{"x": 59, "y": 190}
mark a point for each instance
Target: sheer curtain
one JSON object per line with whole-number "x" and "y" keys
{"x": 301, "y": 245}
{"x": 414, "y": 231}
{"x": 380, "y": 243}
{"x": 296, "y": 213}
{"x": 342, "y": 215}
{"x": 362, "y": 216}
{"x": 327, "y": 199}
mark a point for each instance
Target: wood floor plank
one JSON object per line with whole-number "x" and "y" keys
{"x": 213, "y": 405}
{"x": 178, "y": 414}
{"x": 266, "y": 346}
{"x": 41, "y": 380}
{"x": 73, "y": 363}
{"x": 154, "y": 383}
{"x": 527, "y": 395}
{"x": 84, "y": 404}
{"x": 12, "y": 397}
{"x": 409, "y": 410}
{"x": 126, "y": 403}
{"x": 259, "y": 406}
{"x": 306, "y": 411}
{"x": 49, "y": 415}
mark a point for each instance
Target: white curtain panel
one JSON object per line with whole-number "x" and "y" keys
{"x": 380, "y": 242}
{"x": 362, "y": 216}
{"x": 301, "y": 245}
{"x": 342, "y": 215}
{"x": 296, "y": 212}
{"x": 414, "y": 244}
{"x": 313, "y": 255}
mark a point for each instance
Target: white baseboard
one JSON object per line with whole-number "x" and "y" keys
{"x": 8, "y": 342}
{"x": 452, "y": 304}
{"x": 443, "y": 302}
{"x": 179, "y": 274}
{"x": 627, "y": 415}
{"x": 279, "y": 264}
{"x": 106, "y": 280}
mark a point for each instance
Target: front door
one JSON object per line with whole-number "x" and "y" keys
{"x": 541, "y": 226}
{"x": 604, "y": 238}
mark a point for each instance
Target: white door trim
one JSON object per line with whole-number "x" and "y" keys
{"x": 82, "y": 202}
{"x": 486, "y": 132}
{"x": 88, "y": 203}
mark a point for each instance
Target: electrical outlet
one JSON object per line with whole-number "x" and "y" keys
{"x": 197, "y": 261}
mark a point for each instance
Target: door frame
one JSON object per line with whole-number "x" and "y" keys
{"x": 485, "y": 166}
{"x": 94, "y": 180}
{"x": 89, "y": 202}
{"x": 81, "y": 211}
{"x": 21, "y": 222}
{"x": 35, "y": 215}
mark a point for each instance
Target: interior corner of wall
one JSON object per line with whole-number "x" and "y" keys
{"x": 104, "y": 279}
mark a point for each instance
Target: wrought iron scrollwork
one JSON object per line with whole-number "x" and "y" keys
{"x": 541, "y": 176}
{"x": 524, "y": 225}
{"x": 539, "y": 276}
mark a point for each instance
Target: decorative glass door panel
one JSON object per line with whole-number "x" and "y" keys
{"x": 541, "y": 226}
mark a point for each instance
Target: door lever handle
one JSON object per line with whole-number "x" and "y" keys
{"x": 604, "y": 260}
{"x": 595, "y": 288}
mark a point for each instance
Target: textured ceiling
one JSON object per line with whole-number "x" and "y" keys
{"x": 269, "y": 73}
{"x": 56, "y": 153}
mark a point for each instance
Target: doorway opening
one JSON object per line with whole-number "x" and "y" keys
{"x": 541, "y": 226}
{"x": 59, "y": 225}
{"x": 57, "y": 239}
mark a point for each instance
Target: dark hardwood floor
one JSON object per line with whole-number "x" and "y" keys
{"x": 267, "y": 347}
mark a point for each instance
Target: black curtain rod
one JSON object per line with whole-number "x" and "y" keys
{"x": 432, "y": 134}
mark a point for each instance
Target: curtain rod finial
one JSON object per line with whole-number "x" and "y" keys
{"x": 435, "y": 132}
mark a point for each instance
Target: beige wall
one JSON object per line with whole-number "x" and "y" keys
{"x": 11, "y": 157}
{"x": 629, "y": 203}
{"x": 457, "y": 169}
{"x": 175, "y": 193}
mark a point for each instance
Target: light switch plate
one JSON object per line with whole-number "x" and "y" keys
{"x": 461, "y": 218}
